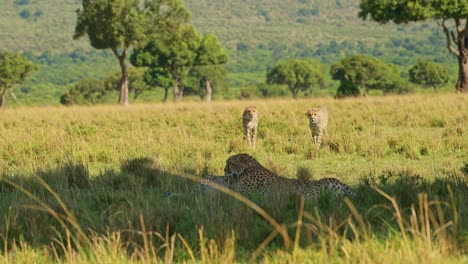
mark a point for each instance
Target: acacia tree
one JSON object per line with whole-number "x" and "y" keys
{"x": 204, "y": 78}
{"x": 210, "y": 52}
{"x": 405, "y": 11}
{"x": 159, "y": 77}
{"x": 298, "y": 75}
{"x": 429, "y": 74}
{"x": 85, "y": 91}
{"x": 358, "y": 74}
{"x": 173, "y": 51}
{"x": 14, "y": 69}
{"x": 136, "y": 82}
{"x": 177, "y": 50}
{"x": 119, "y": 24}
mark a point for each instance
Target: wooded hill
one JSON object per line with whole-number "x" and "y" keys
{"x": 257, "y": 34}
{"x": 47, "y": 25}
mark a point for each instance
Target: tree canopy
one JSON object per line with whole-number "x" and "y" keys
{"x": 14, "y": 69}
{"x": 405, "y": 11}
{"x": 298, "y": 75}
{"x": 176, "y": 51}
{"x": 136, "y": 82}
{"x": 202, "y": 76}
{"x": 119, "y": 24}
{"x": 85, "y": 91}
{"x": 429, "y": 74}
{"x": 358, "y": 74}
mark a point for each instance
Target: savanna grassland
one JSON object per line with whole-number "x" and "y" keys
{"x": 87, "y": 184}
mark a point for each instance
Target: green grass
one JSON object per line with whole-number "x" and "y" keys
{"x": 86, "y": 184}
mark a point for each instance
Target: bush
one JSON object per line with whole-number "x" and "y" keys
{"x": 25, "y": 14}
{"x": 85, "y": 92}
{"x": 266, "y": 90}
{"x": 248, "y": 92}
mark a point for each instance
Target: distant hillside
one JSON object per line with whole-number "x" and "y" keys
{"x": 257, "y": 34}
{"x": 47, "y": 25}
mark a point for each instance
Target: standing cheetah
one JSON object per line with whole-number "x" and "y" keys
{"x": 318, "y": 122}
{"x": 250, "y": 123}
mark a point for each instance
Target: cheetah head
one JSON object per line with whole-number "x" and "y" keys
{"x": 251, "y": 112}
{"x": 314, "y": 115}
{"x": 237, "y": 164}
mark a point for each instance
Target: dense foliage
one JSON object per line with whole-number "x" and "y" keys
{"x": 14, "y": 69}
{"x": 359, "y": 74}
{"x": 175, "y": 51}
{"x": 428, "y": 74}
{"x": 84, "y": 92}
{"x": 404, "y": 11}
{"x": 298, "y": 75}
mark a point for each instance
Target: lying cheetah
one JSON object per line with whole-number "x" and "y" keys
{"x": 318, "y": 123}
{"x": 250, "y": 175}
{"x": 250, "y": 124}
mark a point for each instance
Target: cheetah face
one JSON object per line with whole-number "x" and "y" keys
{"x": 237, "y": 164}
{"x": 232, "y": 170}
{"x": 251, "y": 112}
{"x": 313, "y": 115}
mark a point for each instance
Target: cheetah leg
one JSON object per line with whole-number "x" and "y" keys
{"x": 317, "y": 140}
{"x": 247, "y": 136}
{"x": 254, "y": 137}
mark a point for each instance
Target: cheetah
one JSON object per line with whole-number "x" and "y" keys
{"x": 250, "y": 175}
{"x": 250, "y": 124}
{"x": 318, "y": 123}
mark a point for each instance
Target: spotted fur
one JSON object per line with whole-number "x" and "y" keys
{"x": 250, "y": 124}
{"x": 318, "y": 123}
{"x": 249, "y": 175}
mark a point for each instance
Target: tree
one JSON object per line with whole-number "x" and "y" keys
{"x": 205, "y": 78}
{"x": 120, "y": 24}
{"x": 14, "y": 69}
{"x": 179, "y": 50}
{"x": 174, "y": 51}
{"x": 298, "y": 75}
{"x": 429, "y": 74}
{"x": 159, "y": 77}
{"x": 136, "y": 82}
{"x": 210, "y": 52}
{"x": 405, "y": 11}
{"x": 85, "y": 91}
{"x": 358, "y": 74}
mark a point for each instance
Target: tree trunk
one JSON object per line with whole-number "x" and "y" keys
{"x": 461, "y": 51}
{"x": 3, "y": 99}
{"x": 123, "y": 97}
{"x": 462, "y": 82}
{"x": 293, "y": 91}
{"x": 178, "y": 93}
{"x": 209, "y": 90}
{"x": 166, "y": 91}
